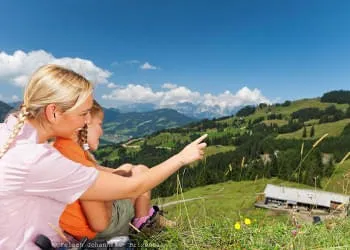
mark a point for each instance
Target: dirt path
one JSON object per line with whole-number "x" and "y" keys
{"x": 179, "y": 201}
{"x": 216, "y": 194}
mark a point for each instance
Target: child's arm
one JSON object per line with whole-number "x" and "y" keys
{"x": 124, "y": 170}
{"x": 98, "y": 214}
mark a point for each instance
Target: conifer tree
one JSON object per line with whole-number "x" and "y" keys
{"x": 312, "y": 131}
{"x": 304, "y": 132}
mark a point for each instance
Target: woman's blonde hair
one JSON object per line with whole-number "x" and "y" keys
{"x": 83, "y": 133}
{"x": 50, "y": 84}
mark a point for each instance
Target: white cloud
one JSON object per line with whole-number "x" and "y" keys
{"x": 133, "y": 93}
{"x": 111, "y": 85}
{"x": 244, "y": 96}
{"x": 277, "y": 100}
{"x": 115, "y": 63}
{"x": 148, "y": 66}
{"x": 169, "y": 85}
{"x": 132, "y": 62}
{"x": 8, "y": 98}
{"x": 15, "y": 98}
{"x": 179, "y": 95}
{"x": 128, "y": 62}
{"x": 18, "y": 67}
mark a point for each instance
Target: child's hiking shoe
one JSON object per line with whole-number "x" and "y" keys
{"x": 164, "y": 222}
{"x": 155, "y": 223}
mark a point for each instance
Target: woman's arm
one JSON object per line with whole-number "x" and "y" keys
{"x": 109, "y": 187}
{"x": 99, "y": 213}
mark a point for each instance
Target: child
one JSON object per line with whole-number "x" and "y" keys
{"x": 37, "y": 182}
{"x": 102, "y": 220}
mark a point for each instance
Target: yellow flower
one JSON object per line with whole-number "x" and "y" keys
{"x": 237, "y": 226}
{"x": 247, "y": 221}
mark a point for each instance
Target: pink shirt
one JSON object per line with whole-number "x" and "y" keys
{"x": 36, "y": 183}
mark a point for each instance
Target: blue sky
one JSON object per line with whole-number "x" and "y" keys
{"x": 222, "y": 53}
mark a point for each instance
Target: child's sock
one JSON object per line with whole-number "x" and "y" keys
{"x": 137, "y": 222}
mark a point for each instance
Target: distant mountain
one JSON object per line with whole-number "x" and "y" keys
{"x": 120, "y": 126}
{"x": 199, "y": 111}
{"x": 137, "y": 107}
{"x": 4, "y": 110}
{"x": 15, "y": 104}
{"x": 203, "y": 111}
{"x": 111, "y": 114}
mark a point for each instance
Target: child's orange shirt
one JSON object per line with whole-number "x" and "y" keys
{"x": 73, "y": 219}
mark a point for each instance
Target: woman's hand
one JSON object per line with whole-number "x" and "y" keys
{"x": 193, "y": 151}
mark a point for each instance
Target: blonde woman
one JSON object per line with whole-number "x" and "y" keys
{"x": 37, "y": 182}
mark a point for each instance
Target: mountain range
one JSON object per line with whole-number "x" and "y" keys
{"x": 120, "y": 126}
{"x": 198, "y": 111}
{"x": 4, "y": 110}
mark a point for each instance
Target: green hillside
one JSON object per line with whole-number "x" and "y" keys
{"x": 339, "y": 181}
{"x": 295, "y": 106}
{"x": 263, "y": 144}
{"x": 207, "y": 216}
{"x": 333, "y": 129}
{"x": 122, "y": 126}
{"x": 223, "y": 200}
{"x": 243, "y": 155}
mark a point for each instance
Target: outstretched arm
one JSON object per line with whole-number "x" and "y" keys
{"x": 113, "y": 187}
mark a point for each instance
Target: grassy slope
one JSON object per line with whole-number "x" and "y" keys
{"x": 340, "y": 180}
{"x": 167, "y": 139}
{"x": 278, "y": 122}
{"x": 211, "y": 150}
{"x": 332, "y": 128}
{"x": 223, "y": 200}
{"x": 210, "y": 222}
{"x": 295, "y": 106}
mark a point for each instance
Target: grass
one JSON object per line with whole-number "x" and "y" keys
{"x": 312, "y": 122}
{"x": 332, "y": 128}
{"x": 340, "y": 180}
{"x": 136, "y": 142}
{"x": 211, "y": 150}
{"x": 278, "y": 122}
{"x": 295, "y": 106}
{"x": 221, "y": 234}
{"x": 227, "y": 199}
{"x": 222, "y": 206}
{"x": 167, "y": 139}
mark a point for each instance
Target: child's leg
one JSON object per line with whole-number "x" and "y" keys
{"x": 142, "y": 203}
{"x": 144, "y": 212}
{"x": 122, "y": 213}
